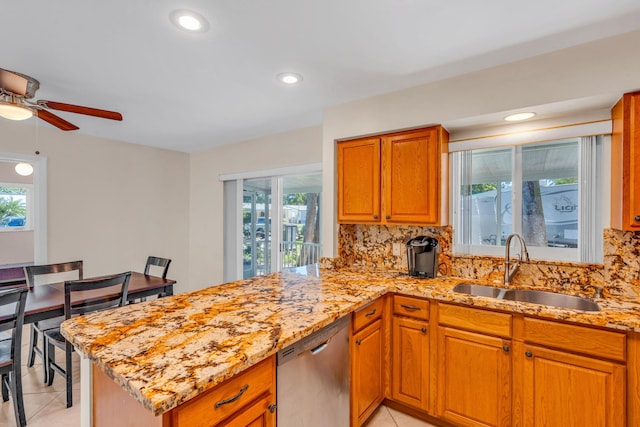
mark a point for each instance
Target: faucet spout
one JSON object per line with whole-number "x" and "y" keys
{"x": 511, "y": 266}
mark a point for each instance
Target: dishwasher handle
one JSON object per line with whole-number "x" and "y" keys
{"x": 320, "y": 348}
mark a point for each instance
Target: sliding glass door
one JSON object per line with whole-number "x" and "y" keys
{"x": 280, "y": 223}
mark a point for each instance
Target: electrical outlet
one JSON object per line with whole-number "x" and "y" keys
{"x": 396, "y": 249}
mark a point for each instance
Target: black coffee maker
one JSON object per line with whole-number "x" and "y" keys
{"x": 422, "y": 256}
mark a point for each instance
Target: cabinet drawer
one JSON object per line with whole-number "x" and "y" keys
{"x": 202, "y": 411}
{"x": 576, "y": 339}
{"x": 411, "y": 307}
{"x": 473, "y": 319}
{"x": 367, "y": 314}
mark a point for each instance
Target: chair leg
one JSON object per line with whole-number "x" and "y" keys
{"x": 50, "y": 354}
{"x": 5, "y": 390}
{"x": 33, "y": 342}
{"x": 16, "y": 394}
{"x": 69, "y": 374}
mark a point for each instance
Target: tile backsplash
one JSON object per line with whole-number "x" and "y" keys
{"x": 372, "y": 246}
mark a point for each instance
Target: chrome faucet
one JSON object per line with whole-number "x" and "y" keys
{"x": 510, "y": 267}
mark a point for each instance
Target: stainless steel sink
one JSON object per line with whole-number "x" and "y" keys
{"x": 478, "y": 290}
{"x": 528, "y": 295}
{"x": 551, "y": 299}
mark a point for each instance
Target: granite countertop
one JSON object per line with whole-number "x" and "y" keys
{"x": 167, "y": 351}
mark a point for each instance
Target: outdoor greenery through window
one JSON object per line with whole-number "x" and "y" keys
{"x": 531, "y": 189}
{"x": 13, "y": 207}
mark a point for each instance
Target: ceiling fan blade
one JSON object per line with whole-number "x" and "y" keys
{"x": 78, "y": 109}
{"x": 58, "y": 122}
{"x": 13, "y": 82}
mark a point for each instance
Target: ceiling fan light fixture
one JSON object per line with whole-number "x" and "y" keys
{"x": 189, "y": 20}
{"x": 24, "y": 169}
{"x": 14, "y": 111}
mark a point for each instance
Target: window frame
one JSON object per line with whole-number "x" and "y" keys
{"x": 588, "y": 247}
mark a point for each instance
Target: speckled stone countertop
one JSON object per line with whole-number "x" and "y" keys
{"x": 167, "y": 351}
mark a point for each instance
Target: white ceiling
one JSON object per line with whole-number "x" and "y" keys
{"x": 189, "y": 92}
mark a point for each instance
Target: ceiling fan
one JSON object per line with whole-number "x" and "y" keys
{"x": 17, "y": 91}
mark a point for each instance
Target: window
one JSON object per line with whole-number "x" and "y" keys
{"x": 545, "y": 191}
{"x": 16, "y": 204}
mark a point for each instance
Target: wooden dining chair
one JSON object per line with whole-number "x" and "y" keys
{"x": 10, "y": 350}
{"x": 43, "y": 274}
{"x": 158, "y": 264}
{"x": 54, "y": 339}
{"x": 162, "y": 263}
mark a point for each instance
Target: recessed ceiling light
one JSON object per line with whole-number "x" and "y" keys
{"x": 189, "y": 20}
{"x": 519, "y": 116}
{"x": 289, "y": 78}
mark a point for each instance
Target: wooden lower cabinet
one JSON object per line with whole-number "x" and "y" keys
{"x": 563, "y": 389}
{"x": 474, "y": 378}
{"x": 367, "y": 374}
{"x": 368, "y": 349}
{"x": 410, "y": 362}
{"x": 245, "y": 400}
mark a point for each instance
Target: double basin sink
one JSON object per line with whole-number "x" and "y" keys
{"x": 526, "y": 295}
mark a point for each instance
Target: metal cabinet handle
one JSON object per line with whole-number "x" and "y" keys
{"x": 375, "y": 217}
{"x": 636, "y": 218}
{"x": 272, "y": 408}
{"x": 232, "y": 399}
{"x": 528, "y": 354}
{"x": 388, "y": 217}
{"x": 410, "y": 307}
{"x": 371, "y": 313}
{"x": 358, "y": 342}
{"x": 424, "y": 330}
{"x": 506, "y": 348}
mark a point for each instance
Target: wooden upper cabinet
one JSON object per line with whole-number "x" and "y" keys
{"x": 411, "y": 181}
{"x": 398, "y": 178}
{"x": 359, "y": 180}
{"x": 625, "y": 163}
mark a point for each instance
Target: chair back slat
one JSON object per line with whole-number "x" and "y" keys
{"x": 158, "y": 262}
{"x": 121, "y": 281}
{"x": 14, "y": 322}
{"x": 30, "y": 272}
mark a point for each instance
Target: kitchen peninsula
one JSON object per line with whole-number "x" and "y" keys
{"x": 168, "y": 351}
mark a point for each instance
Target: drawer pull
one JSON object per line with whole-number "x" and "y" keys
{"x": 375, "y": 217}
{"x": 272, "y": 408}
{"x": 528, "y": 354}
{"x": 410, "y": 307}
{"x": 371, "y": 313}
{"x": 506, "y": 348}
{"x": 424, "y": 330}
{"x": 636, "y": 218}
{"x": 358, "y": 342}
{"x": 232, "y": 399}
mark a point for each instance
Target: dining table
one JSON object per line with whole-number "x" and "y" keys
{"x": 47, "y": 301}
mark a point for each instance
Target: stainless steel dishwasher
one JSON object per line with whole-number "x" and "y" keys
{"x": 313, "y": 379}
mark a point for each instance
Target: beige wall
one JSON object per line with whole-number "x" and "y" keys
{"x": 110, "y": 203}
{"x": 600, "y": 68}
{"x": 286, "y": 149}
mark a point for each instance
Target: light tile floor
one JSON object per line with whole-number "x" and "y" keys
{"x": 46, "y": 406}
{"x": 387, "y": 417}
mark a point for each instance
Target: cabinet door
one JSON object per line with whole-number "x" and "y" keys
{"x": 474, "y": 378}
{"x": 366, "y": 372}
{"x": 411, "y": 183}
{"x": 562, "y": 389}
{"x": 410, "y": 362}
{"x": 359, "y": 180}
